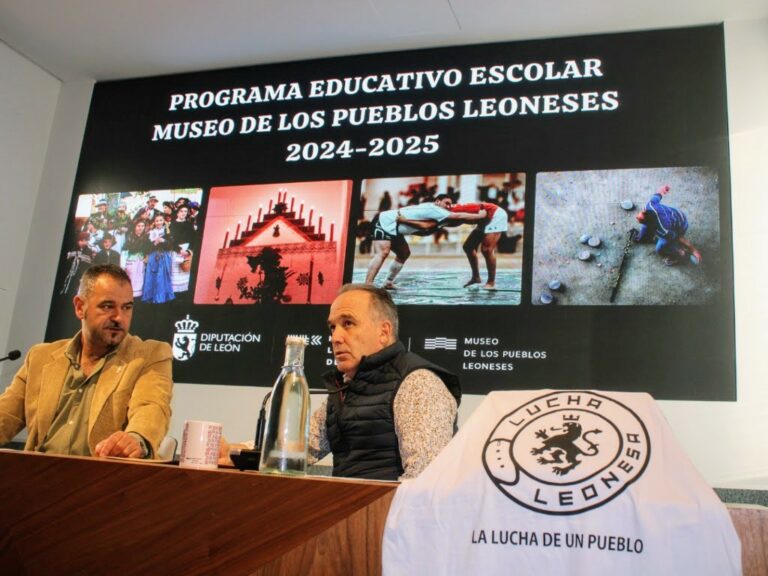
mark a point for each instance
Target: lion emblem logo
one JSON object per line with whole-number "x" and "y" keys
{"x": 567, "y": 452}
{"x": 563, "y": 445}
{"x": 185, "y": 339}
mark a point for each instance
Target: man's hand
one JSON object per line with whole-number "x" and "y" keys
{"x": 225, "y": 449}
{"x": 120, "y": 444}
{"x": 224, "y": 459}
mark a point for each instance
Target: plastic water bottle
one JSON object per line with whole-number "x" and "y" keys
{"x": 286, "y": 439}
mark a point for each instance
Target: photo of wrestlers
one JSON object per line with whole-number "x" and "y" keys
{"x": 443, "y": 239}
{"x": 152, "y": 235}
{"x": 627, "y": 237}
{"x": 278, "y": 243}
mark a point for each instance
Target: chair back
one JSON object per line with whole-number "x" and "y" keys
{"x": 167, "y": 448}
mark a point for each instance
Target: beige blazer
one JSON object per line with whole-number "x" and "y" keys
{"x": 133, "y": 393}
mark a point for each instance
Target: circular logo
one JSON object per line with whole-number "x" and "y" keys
{"x": 567, "y": 452}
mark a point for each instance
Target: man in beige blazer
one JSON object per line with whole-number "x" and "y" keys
{"x": 102, "y": 393}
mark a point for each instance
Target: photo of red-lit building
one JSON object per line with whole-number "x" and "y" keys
{"x": 274, "y": 243}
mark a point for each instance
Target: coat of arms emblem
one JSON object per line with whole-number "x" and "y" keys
{"x": 185, "y": 339}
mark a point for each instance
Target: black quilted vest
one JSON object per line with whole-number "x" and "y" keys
{"x": 360, "y": 420}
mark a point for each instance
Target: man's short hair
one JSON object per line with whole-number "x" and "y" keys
{"x": 92, "y": 274}
{"x": 441, "y": 197}
{"x": 381, "y": 302}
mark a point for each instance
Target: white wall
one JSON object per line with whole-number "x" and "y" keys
{"x": 51, "y": 207}
{"x": 726, "y": 441}
{"x": 27, "y": 104}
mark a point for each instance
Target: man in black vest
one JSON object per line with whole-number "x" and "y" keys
{"x": 389, "y": 412}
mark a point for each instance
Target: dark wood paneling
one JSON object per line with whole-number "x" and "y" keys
{"x": 64, "y": 515}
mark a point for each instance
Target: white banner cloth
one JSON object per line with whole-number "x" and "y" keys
{"x": 561, "y": 483}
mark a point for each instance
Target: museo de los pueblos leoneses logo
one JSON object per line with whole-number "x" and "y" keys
{"x": 567, "y": 452}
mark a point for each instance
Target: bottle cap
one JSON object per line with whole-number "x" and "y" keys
{"x": 294, "y": 351}
{"x": 295, "y": 340}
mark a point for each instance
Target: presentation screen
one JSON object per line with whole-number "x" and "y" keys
{"x": 545, "y": 214}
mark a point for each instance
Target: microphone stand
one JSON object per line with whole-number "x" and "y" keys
{"x": 12, "y": 355}
{"x": 250, "y": 459}
{"x": 261, "y": 422}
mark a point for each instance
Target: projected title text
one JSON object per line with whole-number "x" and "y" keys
{"x": 408, "y": 113}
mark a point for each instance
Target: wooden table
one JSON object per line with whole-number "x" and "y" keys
{"x": 68, "y": 515}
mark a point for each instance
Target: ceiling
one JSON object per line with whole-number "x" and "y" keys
{"x": 113, "y": 39}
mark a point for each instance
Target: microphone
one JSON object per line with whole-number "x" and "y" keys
{"x": 262, "y": 420}
{"x": 250, "y": 459}
{"x": 12, "y": 355}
